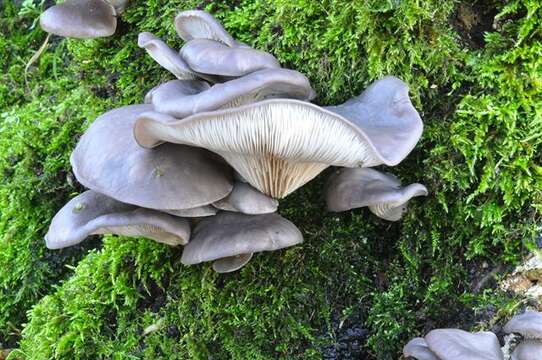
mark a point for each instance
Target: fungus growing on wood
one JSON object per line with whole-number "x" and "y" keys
{"x": 108, "y": 160}
{"x": 351, "y": 188}
{"x": 92, "y": 213}
{"x": 229, "y": 239}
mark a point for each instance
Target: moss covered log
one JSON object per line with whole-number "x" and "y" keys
{"x": 358, "y": 286}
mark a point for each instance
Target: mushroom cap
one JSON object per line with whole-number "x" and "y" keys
{"x": 418, "y": 349}
{"x": 351, "y": 188}
{"x": 214, "y": 58}
{"x": 197, "y": 24}
{"x": 386, "y": 115}
{"x": 247, "y": 200}
{"x": 528, "y": 350}
{"x": 231, "y": 263}
{"x": 455, "y": 344}
{"x": 80, "y": 19}
{"x": 528, "y": 324}
{"x": 168, "y": 58}
{"x": 119, "y": 5}
{"x": 276, "y": 145}
{"x": 176, "y": 100}
{"x": 200, "y": 211}
{"x": 93, "y": 213}
{"x": 230, "y": 234}
{"x": 107, "y": 159}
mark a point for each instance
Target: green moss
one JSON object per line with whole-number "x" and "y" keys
{"x": 479, "y": 156}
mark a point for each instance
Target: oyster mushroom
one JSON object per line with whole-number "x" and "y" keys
{"x": 92, "y": 213}
{"x": 214, "y": 58}
{"x": 351, "y": 188}
{"x": 229, "y": 239}
{"x": 454, "y": 344}
{"x": 247, "y": 200}
{"x": 81, "y": 19}
{"x": 197, "y": 24}
{"x": 181, "y": 98}
{"x": 108, "y": 160}
{"x": 278, "y": 145}
{"x": 529, "y": 325}
{"x": 200, "y": 211}
{"x": 165, "y": 56}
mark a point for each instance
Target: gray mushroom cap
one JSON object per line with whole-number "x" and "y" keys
{"x": 247, "y": 200}
{"x": 528, "y": 324}
{"x": 165, "y": 56}
{"x": 350, "y": 188}
{"x": 287, "y": 138}
{"x": 214, "y": 58}
{"x": 228, "y": 235}
{"x": 385, "y": 114}
{"x": 528, "y": 350}
{"x": 197, "y": 24}
{"x": 200, "y": 211}
{"x": 81, "y": 19}
{"x": 180, "y": 99}
{"x": 108, "y": 160}
{"x": 93, "y": 213}
{"x": 455, "y": 344}
{"x": 417, "y": 348}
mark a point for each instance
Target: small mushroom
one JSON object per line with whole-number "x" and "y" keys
{"x": 108, "y": 160}
{"x": 180, "y": 99}
{"x": 230, "y": 239}
{"x": 529, "y": 325}
{"x": 81, "y": 19}
{"x": 92, "y": 213}
{"x": 165, "y": 56}
{"x": 197, "y": 24}
{"x": 455, "y": 344}
{"x": 351, "y": 188}
{"x": 214, "y": 58}
{"x": 417, "y": 348}
{"x": 247, "y": 200}
{"x": 278, "y": 145}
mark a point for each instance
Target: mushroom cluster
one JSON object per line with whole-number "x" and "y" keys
{"x": 203, "y": 161}
{"x": 455, "y": 344}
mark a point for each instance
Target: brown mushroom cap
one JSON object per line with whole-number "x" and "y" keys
{"x": 165, "y": 56}
{"x": 278, "y": 145}
{"x": 418, "y": 349}
{"x": 247, "y": 200}
{"x": 81, "y": 19}
{"x": 228, "y": 234}
{"x": 455, "y": 344}
{"x": 214, "y": 58}
{"x": 93, "y": 213}
{"x": 180, "y": 99}
{"x": 108, "y": 160}
{"x": 197, "y": 24}
{"x": 350, "y": 188}
{"x": 528, "y": 350}
{"x": 528, "y": 324}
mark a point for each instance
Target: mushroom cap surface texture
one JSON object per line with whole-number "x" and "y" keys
{"x": 385, "y": 114}
{"x": 418, "y": 349}
{"x": 231, "y": 263}
{"x": 247, "y": 200}
{"x": 231, "y": 234}
{"x": 351, "y": 188}
{"x": 175, "y": 99}
{"x": 214, "y": 58}
{"x": 455, "y": 344}
{"x": 165, "y": 56}
{"x": 80, "y": 19}
{"x": 528, "y": 324}
{"x": 279, "y": 145}
{"x": 200, "y": 211}
{"x": 197, "y": 24}
{"x": 93, "y": 213}
{"x": 528, "y": 350}
{"x": 108, "y": 160}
